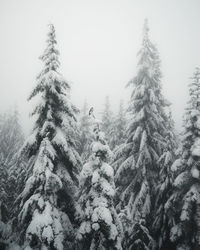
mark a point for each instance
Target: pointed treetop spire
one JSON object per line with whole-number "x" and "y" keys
{"x": 145, "y": 30}
{"x": 50, "y": 55}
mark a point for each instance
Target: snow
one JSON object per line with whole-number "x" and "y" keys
{"x": 85, "y": 227}
{"x": 143, "y": 140}
{"x": 60, "y": 140}
{"x": 107, "y": 188}
{"x": 113, "y": 232}
{"x": 195, "y": 173}
{"x": 122, "y": 150}
{"x": 198, "y": 123}
{"x": 29, "y": 185}
{"x": 126, "y": 164}
{"x": 168, "y": 158}
{"x": 41, "y": 202}
{"x": 102, "y": 213}
{"x": 87, "y": 171}
{"x": 95, "y": 177}
{"x": 40, "y": 221}
{"x": 137, "y": 133}
{"x": 53, "y": 182}
{"x": 31, "y": 139}
{"x": 46, "y": 126}
{"x": 196, "y": 148}
{"x": 96, "y": 204}
{"x": 100, "y": 201}
{"x": 47, "y": 234}
{"x": 180, "y": 179}
{"x": 48, "y": 149}
{"x": 139, "y": 116}
{"x": 176, "y": 165}
{"x": 95, "y": 226}
{"x": 98, "y": 146}
{"x": 194, "y": 112}
{"x": 46, "y": 226}
{"x": 107, "y": 169}
{"x": 176, "y": 232}
{"x": 27, "y": 205}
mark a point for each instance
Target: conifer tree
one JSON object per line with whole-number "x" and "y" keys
{"x": 136, "y": 161}
{"x": 183, "y": 205}
{"x": 11, "y": 138}
{"x": 161, "y": 223}
{"x": 100, "y": 227}
{"x": 85, "y": 132}
{"x": 47, "y": 203}
{"x": 118, "y": 128}
{"x": 5, "y": 228}
{"x": 107, "y": 121}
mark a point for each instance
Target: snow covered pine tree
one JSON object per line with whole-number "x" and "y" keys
{"x": 184, "y": 204}
{"x": 100, "y": 228}
{"x": 47, "y": 201}
{"x": 136, "y": 161}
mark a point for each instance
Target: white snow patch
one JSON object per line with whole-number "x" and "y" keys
{"x": 176, "y": 165}
{"x": 195, "y": 173}
{"x": 196, "y": 148}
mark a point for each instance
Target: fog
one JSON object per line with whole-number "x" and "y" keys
{"x": 98, "y": 43}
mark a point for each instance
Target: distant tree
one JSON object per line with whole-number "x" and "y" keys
{"x": 11, "y": 138}
{"x": 100, "y": 227}
{"x": 136, "y": 161}
{"x": 107, "y": 120}
{"x": 183, "y": 206}
{"x": 118, "y": 128}
{"x": 85, "y": 132}
{"x": 47, "y": 205}
{"x": 11, "y": 135}
{"x": 5, "y": 227}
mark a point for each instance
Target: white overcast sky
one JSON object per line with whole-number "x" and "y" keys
{"x": 98, "y": 41}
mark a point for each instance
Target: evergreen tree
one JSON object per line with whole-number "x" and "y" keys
{"x": 85, "y": 133}
{"x": 99, "y": 224}
{"x": 184, "y": 204}
{"x": 118, "y": 128}
{"x": 161, "y": 224}
{"x": 107, "y": 121}
{"x": 5, "y": 228}
{"x": 11, "y": 138}
{"x": 47, "y": 203}
{"x": 136, "y": 160}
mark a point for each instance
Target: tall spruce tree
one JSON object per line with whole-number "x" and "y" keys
{"x": 47, "y": 203}
{"x": 100, "y": 227}
{"x": 184, "y": 204}
{"x": 136, "y": 161}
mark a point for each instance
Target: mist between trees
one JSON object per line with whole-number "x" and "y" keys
{"x": 119, "y": 181}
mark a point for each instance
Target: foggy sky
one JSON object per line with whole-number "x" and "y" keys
{"x": 98, "y": 41}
